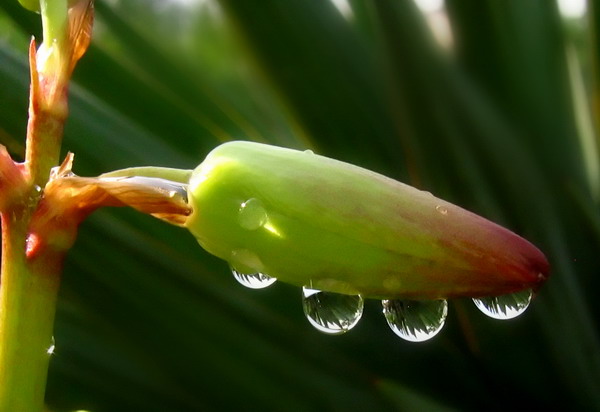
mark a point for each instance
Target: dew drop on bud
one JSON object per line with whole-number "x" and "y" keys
{"x": 414, "y": 320}
{"x": 252, "y": 214}
{"x": 331, "y": 313}
{"x": 50, "y": 350}
{"x": 253, "y": 280}
{"x": 506, "y": 306}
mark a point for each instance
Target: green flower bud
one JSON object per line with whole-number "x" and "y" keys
{"x": 313, "y": 221}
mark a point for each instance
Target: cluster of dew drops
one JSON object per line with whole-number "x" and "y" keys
{"x": 412, "y": 320}
{"x": 335, "y": 313}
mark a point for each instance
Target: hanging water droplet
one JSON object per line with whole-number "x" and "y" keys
{"x": 50, "y": 350}
{"x": 414, "y": 320}
{"x": 331, "y": 313}
{"x": 252, "y": 214}
{"x": 253, "y": 280}
{"x": 30, "y": 242}
{"x": 506, "y": 306}
{"x": 35, "y": 196}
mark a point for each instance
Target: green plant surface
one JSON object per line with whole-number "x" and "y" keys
{"x": 308, "y": 220}
{"x": 147, "y": 320}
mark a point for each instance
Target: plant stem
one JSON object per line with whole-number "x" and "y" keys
{"x": 54, "y": 21}
{"x": 27, "y": 307}
{"x": 29, "y": 286}
{"x": 48, "y": 101}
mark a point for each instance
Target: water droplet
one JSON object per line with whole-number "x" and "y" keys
{"x": 177, "y": 192}
{"x": 505, "y": 306}
{"x": 245, "y": 261}
{"x": 253, "y": 280}
{"x": 252, "y": 214}
{"x": 442, "y": 210}
{"x": 50, "y": 350}
{"x": 32, "y": 243}
{"x": 414, "y": 320}
{"x": 54, "y": 172}
{"x": 331, "y": 313}
{"x": 310, "y": 152}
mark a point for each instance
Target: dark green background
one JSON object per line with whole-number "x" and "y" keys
{"x": 147, "y": 321}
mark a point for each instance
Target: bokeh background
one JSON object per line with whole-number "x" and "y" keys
{"x": 490, "y": 104}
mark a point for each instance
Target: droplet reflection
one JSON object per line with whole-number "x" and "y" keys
{"x": 415, "y": 321}
{"x": 253, "y": 280}
{"x": 506, "y": 306}
{"x": 331, "y": 313}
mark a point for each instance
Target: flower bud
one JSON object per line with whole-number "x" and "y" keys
{"x": 313, "y": 221}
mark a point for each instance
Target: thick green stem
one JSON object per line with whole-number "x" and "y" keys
{"x": 29, "y": 286}
{"x": 27, "y": 307}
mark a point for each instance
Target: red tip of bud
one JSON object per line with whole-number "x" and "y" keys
{"x": 505, "y": 261}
